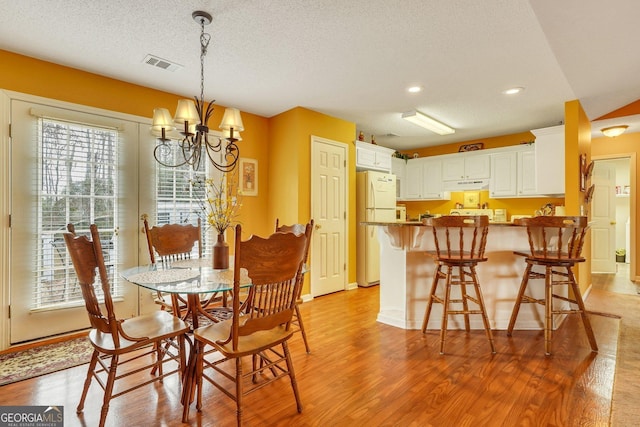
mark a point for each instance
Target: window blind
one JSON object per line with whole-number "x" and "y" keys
{"x": 77, "y": 184}
{"x": 178, "y": 201}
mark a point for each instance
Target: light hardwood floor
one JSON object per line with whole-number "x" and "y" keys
{"x": 361, "y": 372}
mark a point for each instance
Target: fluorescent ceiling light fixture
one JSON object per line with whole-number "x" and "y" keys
{"x": 416, "y": 117}
{"x": 414, "y": 89}
{"x": 613, "y": 131}
{"x": 513, "y": 90}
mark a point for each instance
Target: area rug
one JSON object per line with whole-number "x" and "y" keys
{"x": 33, "y": 362}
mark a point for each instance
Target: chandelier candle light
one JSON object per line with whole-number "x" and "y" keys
{"x": 194, "y": 118}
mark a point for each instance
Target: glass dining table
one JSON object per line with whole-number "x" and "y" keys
{"x": 194, "y": 278}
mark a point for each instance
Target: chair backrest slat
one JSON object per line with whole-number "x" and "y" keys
{"x": 460, "y": 237}
{"x": 298, "y": 229}
{"x": 87, "y": 257}
{"x": 556, "y": 237}
{"x": 274, "y": 265}
{"x": 172, "y": 242}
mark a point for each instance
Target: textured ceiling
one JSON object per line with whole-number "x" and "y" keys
{"x": 353, "y": 59}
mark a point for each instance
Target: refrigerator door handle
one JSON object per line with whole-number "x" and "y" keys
{"x": 372, "y": 195}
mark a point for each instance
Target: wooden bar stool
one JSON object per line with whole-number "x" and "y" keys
{"x": 555, "y": 245}
{"x": 460, "y": 242}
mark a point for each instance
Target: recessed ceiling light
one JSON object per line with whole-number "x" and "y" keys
{"x": 513, "y": 90}
{"x": 414, "y": 89}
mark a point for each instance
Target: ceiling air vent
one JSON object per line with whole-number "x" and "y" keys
{"x": 161, "y": 63}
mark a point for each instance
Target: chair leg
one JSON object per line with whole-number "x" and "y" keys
{"x": 485, "y": 319}
{"x": 434, "y": 287}
{"x": 239, "y": 391}
{"x": 292, "y": 375}
{"x": 160, "y": 352}
{"x": 548, "y": 310}
{"x": 516, "y": 307}
{"x": 445, "y": 310}
{"x": 583, "y": 313}
{"x": 87, "y": 381}
{"x": 463, "y": 294}
{"x": 199, "y": 370}
{"x": 108, "y": 389}
{"x": 302, "y": 331}
{"x": 191, "y": 381}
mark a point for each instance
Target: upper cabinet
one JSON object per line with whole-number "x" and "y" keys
{"x": 513, "y": 172}
{"x": 398, "y": 168}
{"x": 549, "y": 155}
{"x": 423, "y": 180}
{"x": 504, "y": 175}
{"x": 466, "y": 166}
{"x": 527, "y": 173}
{"x": 373, "y": 157}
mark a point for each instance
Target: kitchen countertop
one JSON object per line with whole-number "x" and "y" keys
{"x": 419, "y": 223}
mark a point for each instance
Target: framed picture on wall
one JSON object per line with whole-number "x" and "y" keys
{"x": 583, "y": 177}
{"x": 249, "y": 177}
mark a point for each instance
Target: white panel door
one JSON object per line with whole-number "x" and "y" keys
{"x": 603, "y": 219}
{"x": 328, "y": 209}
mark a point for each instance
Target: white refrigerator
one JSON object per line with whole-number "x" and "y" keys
{"x": 375, "y": 201}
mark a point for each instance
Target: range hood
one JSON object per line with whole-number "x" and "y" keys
{"x": 466, "y": 184}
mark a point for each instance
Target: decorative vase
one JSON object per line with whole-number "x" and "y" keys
{"x": 221, "y": 253}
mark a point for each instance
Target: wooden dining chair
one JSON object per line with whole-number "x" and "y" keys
{"x": 275, "y": 265}
{"x": 116, "y": 342}
{"x": 172, "y": 242}
{"x": 555, "y": 245}
{"x": 305, "y": 229}
{"x": 459, "y": 247}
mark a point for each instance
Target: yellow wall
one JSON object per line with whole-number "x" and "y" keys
{"x": 577, "y": 135}
{"x": 493, "y": 142}
{"x": 628, "y": 110}
{"x": 290, "y": 168}
{"x": 280, "y": 144}
{"x": 27, "y": 75}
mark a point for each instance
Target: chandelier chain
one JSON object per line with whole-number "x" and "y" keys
{"x": 195, "y": 142}
{"x": 205, "y": 38}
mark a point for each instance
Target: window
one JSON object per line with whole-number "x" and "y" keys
{"x": 77, "y": 184}
{"x": 177, "y": 200}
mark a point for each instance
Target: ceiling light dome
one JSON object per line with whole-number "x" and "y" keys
{"x": 613, "y": 131}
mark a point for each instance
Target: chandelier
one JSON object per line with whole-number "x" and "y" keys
{"x": 192, "y": 118}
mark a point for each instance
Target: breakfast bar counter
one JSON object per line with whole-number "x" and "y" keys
{"x": 406, "y": 274}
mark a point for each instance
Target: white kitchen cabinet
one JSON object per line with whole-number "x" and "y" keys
{"x": 423, "y": 180}
{"x": 549, "y": 160}
{"x": 466, "y": 166}
{"x": 527, "y": 173}
{"x": 373, "y": 157}
{"x": 398, "y": 168}
{"x": 504, "y": 175}
{"x": 513, "y": 173}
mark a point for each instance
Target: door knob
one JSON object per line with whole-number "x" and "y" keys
{"x": 318, "y": 227}
{"x": 612, "y": 223}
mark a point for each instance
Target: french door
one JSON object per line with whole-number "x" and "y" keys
{"x": 68, "y": 166}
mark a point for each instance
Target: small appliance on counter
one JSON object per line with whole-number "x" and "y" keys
{"x": 473, "y": 212}
{"x": 500, "y": 215}
{"x": 514, "y": 217}
{"x": 401, "y": 213}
